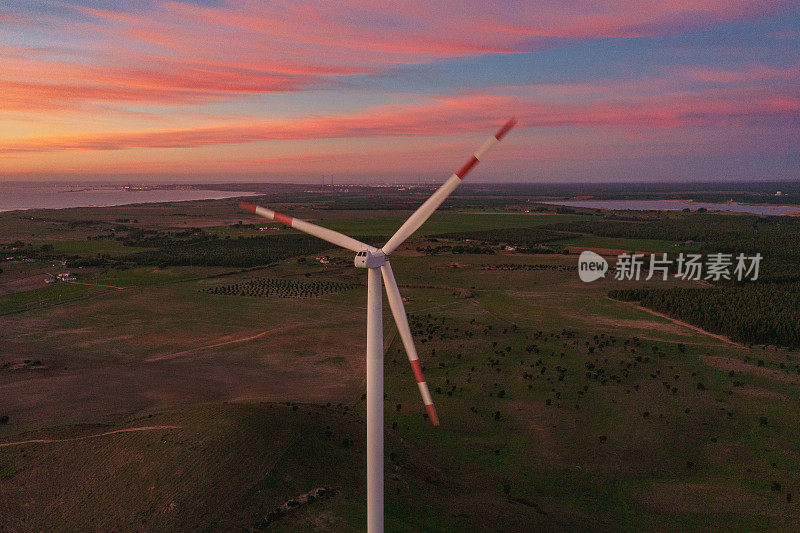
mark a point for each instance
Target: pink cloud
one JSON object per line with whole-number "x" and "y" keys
{"x": 169, "y": 54}
{"x": 452, "y": 115}
{"x": 174, "y": 53}
{"x": 34, "y": 83}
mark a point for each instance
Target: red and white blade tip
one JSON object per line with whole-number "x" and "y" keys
{"x": 505, "y": 129}
{"x": 248, "y": 206}
{"x": 423, "y": 389}
{"x": 432, "y": 414}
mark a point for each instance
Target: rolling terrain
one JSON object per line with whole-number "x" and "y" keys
{"x": 156, "y": 397}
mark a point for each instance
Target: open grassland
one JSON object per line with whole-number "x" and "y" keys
{"x": 629, "y": 245}
{"x": 560, "y": 408}
{"x": 383, "y": 224}
{"x": 449, "y": 222}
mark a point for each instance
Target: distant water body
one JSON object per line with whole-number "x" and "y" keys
{"x": 658, "y": 205}
{"x": 15, "y": 196}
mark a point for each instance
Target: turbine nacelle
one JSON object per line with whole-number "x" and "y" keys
{"x": 370, "y": 259}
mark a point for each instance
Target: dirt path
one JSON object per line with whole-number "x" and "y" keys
{"x": 224, "y": 341}
{"x": 722, "y": 338}
{"x": 677, "y": 322}
{"x": 679, "y": 341}
{"x": 215, "y": 345}
{"x": 128, "y": 430}
{"x": 97, "y": 285}
{"x": 737, "y": 365}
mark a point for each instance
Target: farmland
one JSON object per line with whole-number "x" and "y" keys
{"x": 210, "y": 371}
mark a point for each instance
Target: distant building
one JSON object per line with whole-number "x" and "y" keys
{"x": 66, "y": 276}
{"x": 510, "y": 248}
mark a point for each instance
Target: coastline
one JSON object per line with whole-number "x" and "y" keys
{"x": 111, "y": 197}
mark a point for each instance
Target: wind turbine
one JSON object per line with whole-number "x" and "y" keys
{"x": 376, "y": 261}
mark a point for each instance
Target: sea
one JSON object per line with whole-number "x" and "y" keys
{"x": 20, "y": 196}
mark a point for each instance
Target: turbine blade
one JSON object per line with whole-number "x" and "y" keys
{"x": 399, "y": 313}
{"x": 333, "y": 237}
{"x": 431, "y": 204}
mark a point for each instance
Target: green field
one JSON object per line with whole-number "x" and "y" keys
{"x": 386, "y": 225}
{"x": 618, "y": 243}
{"x": 448, "y": 223}
{"x": 560, "y": 408}
{"x": 113, "y": 248}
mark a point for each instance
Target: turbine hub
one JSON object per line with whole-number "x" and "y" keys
{"x": 368, "y": 259}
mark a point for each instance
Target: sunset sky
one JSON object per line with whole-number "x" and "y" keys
{"x": 668, "y": 90}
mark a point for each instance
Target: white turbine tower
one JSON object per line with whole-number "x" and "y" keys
{"x": 376, "y": 261}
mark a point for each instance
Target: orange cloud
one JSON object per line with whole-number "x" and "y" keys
{"x": 33, "y": 83}
{"x": 175, "y": 53}
{"x": 447, "y": 116}
{"x": 92, "y": 68}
